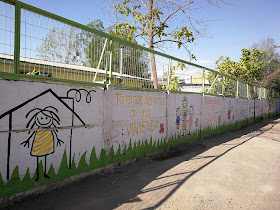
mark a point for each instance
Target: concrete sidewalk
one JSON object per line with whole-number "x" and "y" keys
{"x": 236, "y": 169}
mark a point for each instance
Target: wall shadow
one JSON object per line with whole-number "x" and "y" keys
{"x": 123, "y": 185}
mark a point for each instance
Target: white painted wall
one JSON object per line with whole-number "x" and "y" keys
{"x": 17, "y": 93}
{"x": 230, "y": 110}
{"x": 212, "y": 111}
{"x": 137, "y": 116}
{"x": 183, "y": 110}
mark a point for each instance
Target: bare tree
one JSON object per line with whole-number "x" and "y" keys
{"x": 60, "y": 45}
{"x": 270, "y": 72}
{"x": 270, "y": 56}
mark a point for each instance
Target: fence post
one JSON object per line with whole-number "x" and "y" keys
{"x": 17, "y": 39}
{"x": 248, "y": 91}
{"x": 99, "y": 62}
{"x": 237, "y": 84}
{"x": 203, "y": 82}
{"x": 121, "y": 61}
{"x": 255, "y": 94}
{"x": 212, "y": 83}
{"x": 223, "y": 90}
{"x": 111, "y": 62}
{"x": 168, "y": 74}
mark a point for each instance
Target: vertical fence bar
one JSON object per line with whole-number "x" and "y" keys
{"x": 168, "y": 74}
{"x": 100, "y": 60}
{"x": 248, "y": 91}
{"x": 223, "y": 87}
{"x": 237, "y": 84}
{"x": 17, "y": 39}
{"x": 254, "y": 89}
{"x": 111, "y": 62}
{"x": 203, "y": 82}
{"x": 121, "y": 60}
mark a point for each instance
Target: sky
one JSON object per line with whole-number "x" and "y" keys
{"x": 242, "y": 23}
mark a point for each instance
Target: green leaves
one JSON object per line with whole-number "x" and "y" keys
{"x": 145, "y": 18}
{"x": 125, "y": 28}
{"x": 123, "y": 10}
{"x": 247, "y": 69}
{"x": 184, "y": 33}
{"x": 181, "y": 65}
{"x": 174, "y": 80}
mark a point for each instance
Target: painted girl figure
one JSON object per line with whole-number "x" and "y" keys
{"x": 178, "y": 114}
{"x": 184, "y": 112}
{"x": 191, "y": 113}
{"x": 43, "y": 141}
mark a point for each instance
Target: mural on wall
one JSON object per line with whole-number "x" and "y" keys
{"x": 43, "y": 124}
{"x": 141, "y": 108}
{"x": 136, "y": 117}
{"x": 230, "y": 110}
{"x": 220, "y": 119}
{"x": 186, "y": 115}
{"x": 212, "y": 108}
{"x": 191, "y": 115}
{"x": 43, "y": 142}
{"x": 178, "y": 117}
{"x": 43, "y": 128}
{"x": 184, "y": 112}
{"x": 196, "y": 122}
{"x": 161, "y": 130}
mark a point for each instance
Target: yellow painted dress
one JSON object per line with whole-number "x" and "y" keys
{"x": 42, "y": 144}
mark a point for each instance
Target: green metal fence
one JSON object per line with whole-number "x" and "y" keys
{"x": 39, "y": 45}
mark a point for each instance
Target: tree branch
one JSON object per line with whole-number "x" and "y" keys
{"x": 166, "y": 40}
{"x": 169, "y": 16}
{"x": 144, "y": 4}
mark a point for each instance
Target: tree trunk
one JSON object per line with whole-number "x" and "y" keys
{"x": 153, "y": 63}
{"x": 151, "y": 44}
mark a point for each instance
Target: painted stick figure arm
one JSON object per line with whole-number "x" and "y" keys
{"x": 27, "y": 141}
{"x": 59, "y": 142}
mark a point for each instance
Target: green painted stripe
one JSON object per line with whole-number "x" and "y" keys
{"x": 139, "y": 89}
{"x": 13, "y": 76}
{"x": 212, "y": 94}
{"x": 185, "y": 92}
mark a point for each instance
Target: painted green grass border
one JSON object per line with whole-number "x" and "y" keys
{"x": 139, "y": 149}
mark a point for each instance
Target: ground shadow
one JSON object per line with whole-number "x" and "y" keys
{"x": 124, "y": 184}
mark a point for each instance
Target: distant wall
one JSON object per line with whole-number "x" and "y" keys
{"x": 49, "y": 132}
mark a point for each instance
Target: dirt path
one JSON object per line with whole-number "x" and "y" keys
{"x": 237, "y": 169}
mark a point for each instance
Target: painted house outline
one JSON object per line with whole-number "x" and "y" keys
{"x": 10, "y": 114}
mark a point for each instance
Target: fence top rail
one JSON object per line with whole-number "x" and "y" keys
{"x": 13, "y": 2}
{"x": 112, "y": 37}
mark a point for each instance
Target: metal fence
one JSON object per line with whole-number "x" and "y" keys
{"x": 40, "y": 45}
